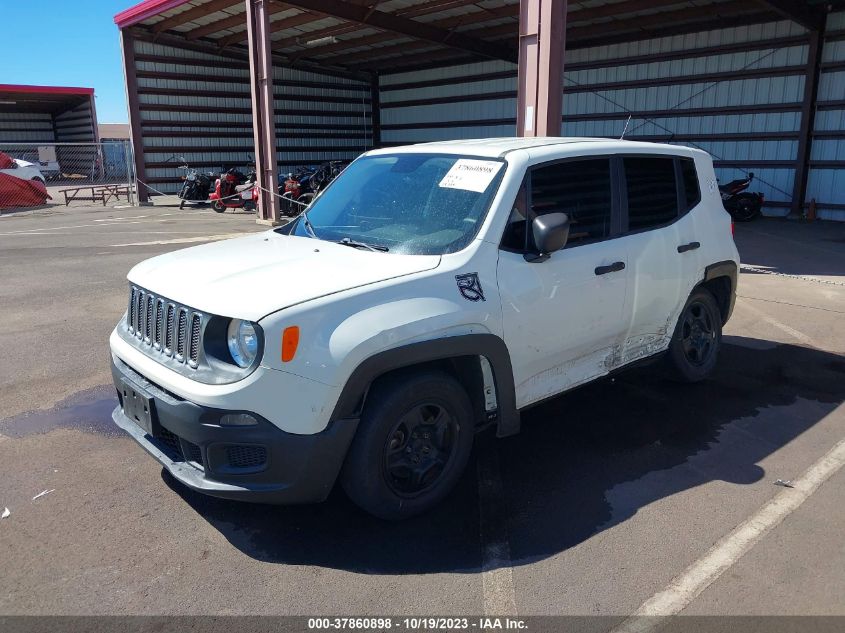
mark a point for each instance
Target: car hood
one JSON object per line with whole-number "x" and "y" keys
{"x": 24, "y": 163}
{"x": 250, "y": 277}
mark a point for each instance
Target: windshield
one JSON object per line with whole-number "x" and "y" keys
{"x": 415, "y": 204}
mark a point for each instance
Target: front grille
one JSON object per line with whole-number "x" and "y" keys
{"x": 165, "y": 327}
{"x": 246, "y": 456}
{"x": 194, "y": 349}
{"x": 181, "y": 331}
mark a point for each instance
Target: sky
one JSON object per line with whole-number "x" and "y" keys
{"x": 67, "y": 43}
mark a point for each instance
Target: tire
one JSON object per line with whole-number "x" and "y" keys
{"x": 305, "y": 199}
{"x": 181, "y": 205}
{"x": 746, "y": 208}
{"x": 218, "y": 206}
{"x": 412, "y": 445}
{"x": 695, "y": 344}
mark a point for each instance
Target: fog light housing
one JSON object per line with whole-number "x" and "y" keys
{"x": 238, "y": 419}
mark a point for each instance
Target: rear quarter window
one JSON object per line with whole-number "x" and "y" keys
{"x": 692, "y": 191}
{"x": 652, "y": 191}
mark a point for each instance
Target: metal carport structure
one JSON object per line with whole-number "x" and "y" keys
{"x": 758, "y": 83}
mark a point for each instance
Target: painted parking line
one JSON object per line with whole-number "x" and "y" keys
{"x": 74, "y": 226}
{"x": 684, "y": 588}
{"x": 185, "y": 240}
{"x": 496, "y": 567}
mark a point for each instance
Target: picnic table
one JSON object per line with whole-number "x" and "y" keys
{"x": 99, "y": 193}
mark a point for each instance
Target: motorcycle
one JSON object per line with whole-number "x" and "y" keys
{"x": 195, "y": 186}
{"x": 743, "y": 205}
{"x": 299, "y": 189}
{"x": 234, "y": 190}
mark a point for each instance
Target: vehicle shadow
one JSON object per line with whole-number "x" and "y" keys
{"x": 562, "y": 476}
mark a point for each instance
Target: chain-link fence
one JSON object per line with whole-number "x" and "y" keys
{"x": 68, "y": 174}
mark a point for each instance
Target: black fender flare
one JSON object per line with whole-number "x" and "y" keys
{"x": 490, "y": 346}
{"x": 729, "y": 269}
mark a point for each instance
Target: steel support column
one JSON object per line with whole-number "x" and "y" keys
{"x": 263, "y": 109}
{"x": 375, "y": 110}
{"x": 808, "y": 120}
{"x": 542, "y": 41}
{"x": 127, "y": 44}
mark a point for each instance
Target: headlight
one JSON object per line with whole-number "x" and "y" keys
{"x": 243, "y": 342}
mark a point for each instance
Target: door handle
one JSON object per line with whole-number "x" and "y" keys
{"x": 610, "y": 268}
{"x": 683, "y": 248}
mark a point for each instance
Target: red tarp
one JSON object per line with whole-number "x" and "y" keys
{"x": 17, "y": 192}
{"x": 6, "y": 162}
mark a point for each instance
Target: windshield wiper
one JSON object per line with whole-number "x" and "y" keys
{"x": 307, "y": 223}
{"x": 347, "y": 241}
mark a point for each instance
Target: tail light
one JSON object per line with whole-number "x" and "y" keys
{"x": 732, "y": 228}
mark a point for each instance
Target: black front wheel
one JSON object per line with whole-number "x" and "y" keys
{"x": 412, "y": 445}
{"x": 695, "y": 343}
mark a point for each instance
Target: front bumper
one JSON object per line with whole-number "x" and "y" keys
{"x": 258, "y": 463}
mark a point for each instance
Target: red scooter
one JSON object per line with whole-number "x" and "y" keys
{"x": 233, "y": 190}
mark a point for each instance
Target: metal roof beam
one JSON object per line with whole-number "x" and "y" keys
{"x": 279, "y": 25}
{"x": 811, "y": 18}
{"x": 617, "y": 8}
{"x": 407, "y": 27}
{"x": 239, "y": 19}
{"x": 286, "y": 23}
{"x": 663, "y": 19}
{"x": 435, "y": 6}
{"x": 476, "y": 19}
{"x": 375, "y": 56}
{"x": 191, "y": 14}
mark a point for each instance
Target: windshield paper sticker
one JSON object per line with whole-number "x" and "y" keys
{"x": 471, "y": 175}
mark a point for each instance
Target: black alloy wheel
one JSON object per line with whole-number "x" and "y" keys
{"x": 419, "y": 448}
{"x": 698, "y": 334}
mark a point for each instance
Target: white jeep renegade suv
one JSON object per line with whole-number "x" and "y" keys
{"x": 430, "y": 291}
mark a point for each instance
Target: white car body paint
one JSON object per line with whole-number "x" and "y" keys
{"x": 562, "y": 324}
{"x": 25, "y": 171}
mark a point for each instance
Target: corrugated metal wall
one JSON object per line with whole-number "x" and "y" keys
{"x": 197, "y": 105}
{"x": 26, "y": 127}
{"x": 735, "y": 92}
{"x": 76, "y": 125}
{"x": 827, "y": 174}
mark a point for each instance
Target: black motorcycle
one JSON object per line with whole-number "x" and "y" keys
{"x": 743, "y": 205}
{"x": 195, "y": 186}
{"x": 299, "y": 189}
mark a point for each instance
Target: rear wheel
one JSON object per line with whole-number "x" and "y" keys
{"x": 695, "y": 343}
{"x": 412, "y": 445}
{"x": 747, "y": 208}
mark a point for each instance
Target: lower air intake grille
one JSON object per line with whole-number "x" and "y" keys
{"x": 246, "y": 456}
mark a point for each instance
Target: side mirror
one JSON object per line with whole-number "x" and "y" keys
{"x": 550, "y": 233}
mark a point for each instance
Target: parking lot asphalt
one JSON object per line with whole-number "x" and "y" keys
{"x": 620, "y": 495}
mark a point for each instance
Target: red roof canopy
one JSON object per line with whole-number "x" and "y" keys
{"x": 46, "y": 90}
{"x": 144, "y": 10}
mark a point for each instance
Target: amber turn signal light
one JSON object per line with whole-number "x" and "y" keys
{"x": 290, "y": 341}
